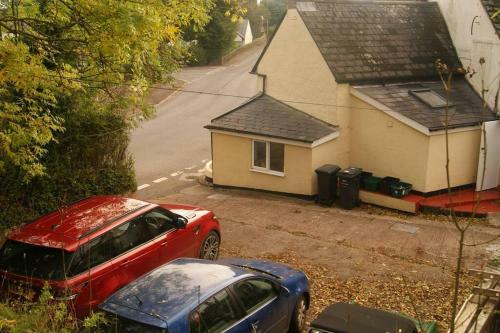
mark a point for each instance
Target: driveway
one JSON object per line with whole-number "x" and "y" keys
{"x": 389, "y": 262}
{"x": 170, "y": 149}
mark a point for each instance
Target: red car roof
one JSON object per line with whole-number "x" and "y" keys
{"x": 63, "y": 229}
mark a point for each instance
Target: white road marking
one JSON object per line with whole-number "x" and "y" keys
{"x": 190, "y": 168}
{"x": 204, "y": 161}
{"x": 175, "y": 174}
{"x": 201, "y": 170}
{"x": 142, "y": 187}
{"x": 159, "y": 180}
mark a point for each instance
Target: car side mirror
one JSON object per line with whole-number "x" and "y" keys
{"x": 181, "y": 222}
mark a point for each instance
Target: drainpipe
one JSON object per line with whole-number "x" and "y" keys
{"x": 262, "y": 77}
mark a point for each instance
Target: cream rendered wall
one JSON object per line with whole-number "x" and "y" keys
{"x": 464, "y": 158}
{"x": 297, "y": 74}
{"x": 484, "y": 42}
{"x": 327, "y": 153}
{"x": 232, "y": 155}
{"x": 385, "y": 146}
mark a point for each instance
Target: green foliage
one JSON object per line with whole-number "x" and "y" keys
{"x": 45, "y": 315}
{"x": 53, "y": 49}
{"x": 277, "y": 9}
{"x": 259, "y": 17}
{"x": 218, "y": 36}
{"x": 26, "y": 121}
{"x": 73, "y": 75}
{"x": 265, "y": 17}
{"x": 89, "y": 158}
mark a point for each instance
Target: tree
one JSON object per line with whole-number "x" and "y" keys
{"x": 446, "y": 75}
{"x": 259, "y": 17}
{"x": 216, "y": 39}
{"x": 265, "y": 17}
{"x": 99, "y": 53}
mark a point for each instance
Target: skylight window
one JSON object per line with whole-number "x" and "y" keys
{"x": 430, "y": 97}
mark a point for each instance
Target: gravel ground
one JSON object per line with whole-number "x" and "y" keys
{"x": 420, "y": 299}
{"x": 375, "y": 257}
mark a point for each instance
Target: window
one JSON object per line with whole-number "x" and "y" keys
{"x": 214, "y": 315}
{"x": 430, "y": 97}
{"x": 268, "y": 156}
{"x": 35, "y": 261}
{"x": 121, "y": 239}
{"x": 254, "y": 293}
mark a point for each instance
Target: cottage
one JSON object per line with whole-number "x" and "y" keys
{"x": 352, "y": 83}
{"x": 244, "y": 33}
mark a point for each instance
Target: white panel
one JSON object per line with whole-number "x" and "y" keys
{"x": 492, "y": 172}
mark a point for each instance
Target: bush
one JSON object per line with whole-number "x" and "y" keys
{"x": 216, "y": 39}
{"x": 89, "y": 158}
{"x": 199, "y": 56}
{"x": 44, "y": 315}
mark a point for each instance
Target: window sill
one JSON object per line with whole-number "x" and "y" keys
{"x": 268, "y": 172}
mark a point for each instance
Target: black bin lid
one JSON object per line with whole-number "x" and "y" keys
{"x": 350, "y": 172}
{"x": 354, "y": 318}
{"x": 328, "y": 169}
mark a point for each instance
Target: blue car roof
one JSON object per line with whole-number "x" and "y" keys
{"x": 163, "y": 293}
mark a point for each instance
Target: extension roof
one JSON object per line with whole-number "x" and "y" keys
{"x": 466, "y": 106}
{"x": 492, "y": 7}
{"x": 266, "y": 116}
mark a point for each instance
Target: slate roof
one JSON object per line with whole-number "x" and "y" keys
{"x": 370, "y": 41}
{"x": 266, "y": 116}
{"x": 493, "y": 6}
{"x": 467, "y": 107}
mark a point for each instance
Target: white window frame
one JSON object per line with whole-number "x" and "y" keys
{"x": 267, "y": 169}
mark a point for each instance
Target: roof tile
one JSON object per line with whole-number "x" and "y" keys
{"x": 370, "y": 41}
{"x": 267, "y": 116}
{"x": 467, "y": 108}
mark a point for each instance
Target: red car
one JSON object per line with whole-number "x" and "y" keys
{"x": 93, "y": 247}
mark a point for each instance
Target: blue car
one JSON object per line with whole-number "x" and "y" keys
{"x": 198, "y": 296}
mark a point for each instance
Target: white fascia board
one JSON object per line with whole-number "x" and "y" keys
{"x": 316, "y": 143}
{"x": 326, "y": 139}
{"x": 407, "y": 121}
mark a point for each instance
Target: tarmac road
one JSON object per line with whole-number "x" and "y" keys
{"x": 171, "y": 149}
